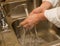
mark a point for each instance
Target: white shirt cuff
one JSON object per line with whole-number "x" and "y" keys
{"x": 53, "y": 2}
{"x": 52, "y": 16}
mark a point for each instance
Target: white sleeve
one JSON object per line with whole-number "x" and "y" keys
{"x": 53, "y": 15}
{"x": 53, "y": 2}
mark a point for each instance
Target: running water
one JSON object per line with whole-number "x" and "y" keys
{"x": 30, "y": 39}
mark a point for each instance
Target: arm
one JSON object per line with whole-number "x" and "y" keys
{"x": 30, "y": 21}
{"x": 46, "y": 4}
{"x": 53, "y": 15}
{"x": 53, "y": 2}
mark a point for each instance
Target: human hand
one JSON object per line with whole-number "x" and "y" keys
{"x": 36, "y": 15}
{"x": 31, "y": 21}
{"x": 37, "y": 10}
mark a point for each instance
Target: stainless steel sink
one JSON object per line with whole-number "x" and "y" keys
{"x": 39, "y": 35}
{"x": 41, "y": 32}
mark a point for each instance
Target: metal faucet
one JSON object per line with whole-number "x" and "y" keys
{"x": 3, "y": 22}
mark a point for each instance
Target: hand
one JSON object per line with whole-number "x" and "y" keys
{"x": 44, "y": 6}
{"x": 37, "y": 10}
{"x": 36, "y": 15}
{"x": 30, "y": 21}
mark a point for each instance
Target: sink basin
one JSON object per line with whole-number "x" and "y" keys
{"x": 39, "y": 34}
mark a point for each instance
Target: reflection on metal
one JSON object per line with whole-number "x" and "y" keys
{"x": 54, "y": 33}
{"x": 24, "y": 5}
{"x": 56, "y": 44}
{"x": 35, "y": 4}
{"x": 3, "y": 22}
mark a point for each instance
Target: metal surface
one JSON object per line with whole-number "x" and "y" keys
{"x": 33, "y": 37}
{"x": 40, "y": 35}
{"x": 6, "y": 33}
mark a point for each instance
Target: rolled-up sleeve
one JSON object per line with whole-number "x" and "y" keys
{"x": 53, "y": 15}
{"x": 53, "y": 2}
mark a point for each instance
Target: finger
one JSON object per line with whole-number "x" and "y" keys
{"x": 28, "y": 26}
{"x": 31, "y": 13}
{"x": 24, "y": 22}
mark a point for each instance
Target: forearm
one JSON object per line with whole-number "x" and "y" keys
{"x": 46, "y": 5}
{"x": 53, "y": 15}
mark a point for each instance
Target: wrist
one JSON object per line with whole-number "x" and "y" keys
{"x": 42, "y": 17}
{"x": 46, "y": 5}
